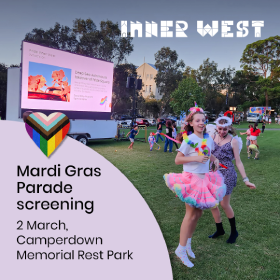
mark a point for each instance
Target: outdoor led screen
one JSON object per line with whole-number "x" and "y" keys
{"x": 59, "y": 81}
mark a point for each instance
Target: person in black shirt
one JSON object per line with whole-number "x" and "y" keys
{"x": 263, "y": 126}
{"x": 159, "y": 130}
{"x": 169, "y": 130}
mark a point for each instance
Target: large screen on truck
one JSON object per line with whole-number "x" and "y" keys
{"x": 58, "y": 81}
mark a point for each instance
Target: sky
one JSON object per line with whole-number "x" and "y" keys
{"x": 19, "y": 17}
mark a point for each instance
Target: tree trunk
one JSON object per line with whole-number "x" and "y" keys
{"x": 266, "y": 99}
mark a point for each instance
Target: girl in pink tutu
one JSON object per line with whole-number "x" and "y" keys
{"x": 196, "y": 186}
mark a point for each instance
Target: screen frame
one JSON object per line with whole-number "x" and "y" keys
{"x": 87, "y": 115}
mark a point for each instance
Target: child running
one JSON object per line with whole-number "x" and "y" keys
{"x": 133, "y": 132}
{"x": 151, "y": 141}
{"x": 196, "y": 186}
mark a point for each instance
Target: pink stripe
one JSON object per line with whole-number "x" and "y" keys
{"x": 167, "y": 137}
{"x": 47, "y": 123}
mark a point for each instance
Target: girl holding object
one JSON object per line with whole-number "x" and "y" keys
{"x": 196, "y": 186}
{"x": 226, "y": 149}
{"x": 255, "y": 132}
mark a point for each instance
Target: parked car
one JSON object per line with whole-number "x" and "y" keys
{"x": 212, "y": 117}
{"x": 142, "y": 122}
{"x": 125, "y": 117}
{"x": 253, "y": 117}
{"x": 152, "y": 122}
{"x": 173, "y": 119}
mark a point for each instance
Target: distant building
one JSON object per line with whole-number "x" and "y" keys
{"x": 148, "y": 72}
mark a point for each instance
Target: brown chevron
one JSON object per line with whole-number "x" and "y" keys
{"x": 47, "y": 134}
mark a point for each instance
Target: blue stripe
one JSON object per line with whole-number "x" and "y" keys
{"x": 36, "y": 138}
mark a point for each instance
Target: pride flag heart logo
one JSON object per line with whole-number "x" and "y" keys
{"x": 47, "y": 132}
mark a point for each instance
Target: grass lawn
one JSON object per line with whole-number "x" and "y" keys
{"x": 256, "y": 254}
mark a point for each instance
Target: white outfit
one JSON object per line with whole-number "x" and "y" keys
{"x": 187, "y": 150}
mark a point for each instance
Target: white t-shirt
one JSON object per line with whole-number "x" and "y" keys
{"x": 174, "y": 133}
{"x": 187, "y": 150}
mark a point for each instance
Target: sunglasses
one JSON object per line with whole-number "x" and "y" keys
{"x": 224, "y": 129}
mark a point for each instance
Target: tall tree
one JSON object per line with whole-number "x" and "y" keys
{"x": 263, "y": 59}
{"x": 185, "y": 95}
{"x": 105, "y": 43}
{"x": 190, "y": 72}
{"x": 84, "y": 38}
{"x": 207, "y": 78}
{"x": 170, "y": 73}
{"x": 122, "y": 97}
{"x": 58, "y": 37}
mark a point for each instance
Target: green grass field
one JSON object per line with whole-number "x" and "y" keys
{"x": 256, "y": 254}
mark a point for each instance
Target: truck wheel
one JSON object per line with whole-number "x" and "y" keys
{"x": 83, "y": 139}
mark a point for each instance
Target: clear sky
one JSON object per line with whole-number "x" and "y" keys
{"x": 19, "y": 17}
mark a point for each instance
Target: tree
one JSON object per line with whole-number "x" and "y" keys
{"x": 185, "y": 95}
{"x": 59, "y": 37}
{"x": 150, "y": 106}
{"x": 85, "y": 39}
{"x": 122, "y": 97}
{"x": 207, "y": 78}
{"x": 170, "y": 73}
{"x": 105, "y": 43}
{"x": 190, "y": 72}
{"x": 263, "y": 58}
{"x": 246, "y": 90}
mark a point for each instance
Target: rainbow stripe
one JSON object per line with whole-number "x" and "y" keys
{"x": 103, "y": 100}
{"x": 47, "y": 132}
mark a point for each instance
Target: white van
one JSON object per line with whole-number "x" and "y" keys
{"x": 253, "y": 117}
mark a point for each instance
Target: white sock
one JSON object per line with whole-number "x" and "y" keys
{"x": 181, "y": 253}
{"x": 189, "y": 249}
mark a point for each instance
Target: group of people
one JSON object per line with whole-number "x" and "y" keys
{"x": 267, "y": 119}
{"x": 170, "y": 135}
{"x": 201, "y": 188}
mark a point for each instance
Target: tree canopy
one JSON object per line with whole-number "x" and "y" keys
{"x": 85, "y": 39}
{"x": 185, "y": 95}
{"x": 170, "y": 73}
{"x": 262, "y": 58}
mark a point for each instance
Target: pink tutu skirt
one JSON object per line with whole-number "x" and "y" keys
{"x": 197, "y": 192}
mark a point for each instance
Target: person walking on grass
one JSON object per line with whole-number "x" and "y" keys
{"x": 248, "y": 133}
{"x": 226, "y": 149}
{"x": 174, "y": 134}
{"x": 168, "y": 142}
{"x": 263, "y": 126}
{"x": 196, "y": 180}
{"x": 133, "y": 132}
{"x": 159, "y": 130}
{"x": 151, "y": 140}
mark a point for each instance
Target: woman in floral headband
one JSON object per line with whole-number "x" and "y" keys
{"x": 196, "y": 186}
{"x": 226, "y": 149}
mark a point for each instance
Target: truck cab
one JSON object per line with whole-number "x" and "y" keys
{"x": 253, "y": 117}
